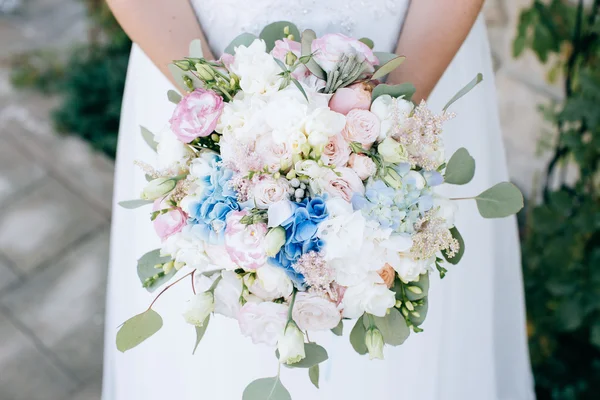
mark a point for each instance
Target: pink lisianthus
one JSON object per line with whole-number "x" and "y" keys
{"x": 227, "y": 59}
{"x": 244, "y": 243}
{"x": 196, "y": 115}
{"x": 362, "y": 126}
{"x": 336, "y": 151}
{"x": 169, "y": 223}
{"x": 356, "y": 96}
{"x": 329, "y": 49}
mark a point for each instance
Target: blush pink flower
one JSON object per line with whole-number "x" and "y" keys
{"x": 244, "y": 243}
{"x": 343, "y": 185}
{"x": 196, "y": 115}
{"x": 362, "y": 126}
{"x": 329, "y": 49}
{"x": 356, "y": 96}
{"x": 227, "y": 59}
{"x": 336, "y": 151}
{"x": 169, "y": 223}
{"x": 362, "y": 165}
{"x": 263, "y": 322}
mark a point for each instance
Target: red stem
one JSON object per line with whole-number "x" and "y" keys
{"x": 165, "y": 289}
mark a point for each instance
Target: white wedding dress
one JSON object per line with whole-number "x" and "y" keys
{"x": 474, "y": 346}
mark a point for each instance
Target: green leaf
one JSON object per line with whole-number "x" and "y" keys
{"x": 179, "y": 74}
{"x": 422, "y": 284}
{"x": 196, "y": 49}
{"x": 388, "y": 67}
{"x": 339, "y": 329}
{"x": 384, "y": 56}
{"x": 313, "y": 374}
{"x": 173, "y": 97}
{"x": 417, "y": 317}
{"x": 245, "y": 39}
{"x": 368, "y": 42}
{"x": 393, "y": 327}
{"x": 137, "y": 329}
{"x": 357, "y": 337}
{"x": 300, "y": 88}
{"x": 200, "y": 331}
{"x": 307, "y": 38}
{"x": 266, "y": 389}
{"x": 500, "y": 201}
{"x": 149, "y": 138}
{"x": 131, "y": 204}
{"x": 275, "y": 31}
{"x": 145, "y": 269}
{"x": 594, "y": 336}
{"x": 405, "y": 90}
{"x": 461, "y": 168}
{"x": 456, "y": 235}
{"x": 315, "y": 354}
{"x": 465, "y": 90}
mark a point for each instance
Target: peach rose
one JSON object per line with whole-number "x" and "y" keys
{"x": 362, "y": 126}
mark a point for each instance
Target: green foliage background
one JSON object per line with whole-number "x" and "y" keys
{"x": 561, "y": 240}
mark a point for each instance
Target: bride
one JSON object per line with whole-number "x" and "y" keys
{"x": 474, "y": 345}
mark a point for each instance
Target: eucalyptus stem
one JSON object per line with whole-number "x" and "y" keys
{"x": 168, "y": 287}
{"x": 292, "y": 301}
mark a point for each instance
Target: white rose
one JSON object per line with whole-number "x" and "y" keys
{"x": 392, "y": 112}
{"x": 323, "y": 124}
{"x": 446, "y": 209}
{"x": 269, "y": 191}
{"x": 198, "y": 308}
{"x": 270, "y": 283}
{"x": 186, "y": 248}
{"x": 409, "y": 269}
{"x": 274, "y": 156}
{"x": 258, "y": 71}
{"x": 291, "y": 344}
{"x": 362, "y": 165}
{"x": 315, "y": 312}
{"x": 391, "y": 151}
{"x": 263, "y": 322}
{"x": 227, "y": 294}
{"x": 170, "y": 150}
{"x": 344, "y": 185}
{"x": 371, "y": 296}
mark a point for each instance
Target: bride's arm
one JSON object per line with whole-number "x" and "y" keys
{"x": 433, "y": 32}
{"x": 162, "y": 28}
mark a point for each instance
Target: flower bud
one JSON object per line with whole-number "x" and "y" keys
{"x": 291, "y": 344}
{"x": 274, "y": 240}
{"x": 290, "y": 58}
{"x": 205, "y": 72}
{"x": 391, "y": 151}
{"x": 374, "y": 342}
{"x": 286, "y": 30}
{"x": 158, "y": 187}
{"x": 183, "y": 65}
{"x": 198, "y": 308}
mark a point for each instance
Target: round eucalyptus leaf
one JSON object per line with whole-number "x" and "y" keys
{"x": 276, "y": 31}
{"x": 314, "y": 354}
{"x": 137, "y": 329}
{"x": 307, "y": 38}
{"x": 196, "y": 49}
{"x": 405, "y": 90}
{"x": 461, "y": 168}
{"x": 368, "y": 42}
{"x": 393, "y": 327}
{"x": 313, "y": 374}
{"x": 266, "y": 389}
{"x": 148, "y": 138}
{"x": 357, "y": 337}
{"x": 388, "y": 67}
{"x": 131, "y": 204}
{"x": 500, "y": 201}
{"x": 461, "y": 251}
{"x": 418, "y": 315}
{"x": 423, "y": 287}
{"x": 245, "y": 39}
{"x": 145, "y": 269}
{"x": 200, "y": 331}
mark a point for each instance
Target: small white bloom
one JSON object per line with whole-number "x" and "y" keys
{"x": 323, "y": 124}
{"x": 269, "y": 191}
{"x": 409, "y": 268}
{"x": 314, "y": 312}
{"x": 187, "y": 248}
{"x": 392, "y": 112}
{"x": 158, "y": 187}
{"x": 446, "y": 209}
{"x": 227, "y": 294}
{"x": 274, "y": 241}
{"x": 371, "y": 295}
{"x": 391, "y": 151}
{"x": 279, "y": 212}
{"x": 258, "y": 71}
{"x": 270, "y": 283}
{"x": 291, "y": 345}
{"x": 170, "y": 150}
{"x": 374, "y": 342}
{"x": 263, "y": 322}
{"x": 198, "y": 308}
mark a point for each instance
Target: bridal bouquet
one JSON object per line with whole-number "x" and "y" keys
{"x": 298, "y": 193}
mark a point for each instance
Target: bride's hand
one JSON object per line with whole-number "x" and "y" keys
{"x": 162, "y": 28}
{"x": 433, "y": 32}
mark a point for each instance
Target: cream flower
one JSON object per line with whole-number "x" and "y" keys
{"x": 314, "y": 312}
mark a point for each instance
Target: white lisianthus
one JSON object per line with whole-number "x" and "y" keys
{"x": 314, "y": 312}
{"x": 263, "y": 322}
{"x": 258, "y": 71}
{"x": 227, "y": 294}
{"x": 186, "y": 248}
{"x": 446, "y": 209}
{"x": 270, "y": 283}
{"x": 374, "y": 342}
{"x": 409, "y": 269}
{"x": 415, "y": 179}
{"x": 274, "y": 241}
{"x": 243, "y": 119}
{"x": 391, "y": 151}
{"x": 198, "y": 308}
{"x": 370, "y": 296}
{"x": 219, "y": 257}
{"x": 291, "y": 344}
{"x": 323, "y": 124}
{"x": 392, "y": 113}
{"x": 279, "y": 212}
{"x": 170, "y": 150}
{"x": 158, "y": 187}
{"x": 269, "y": 190}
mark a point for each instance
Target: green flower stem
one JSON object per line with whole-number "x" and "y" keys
{"x": 168, "y": 287}
{"x": 292, "y": 301}
{"x": 215, "y": 283}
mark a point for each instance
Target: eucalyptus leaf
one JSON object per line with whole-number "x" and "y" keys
{"x": 388, "y": 67}
{"x": 339, "y": 329}
{"x": 131, "y": 204}
{"x": 456, "y": 235}
{"x": 368, "y": 42}
{"x": 405, "y": 90}
{"x": 200, "y": 331}
{"x": 313, "y": 374}
{"x": 500, "y": 201}
{"x": 137, "y": 329}
{"x": 179, "y": 74}
{"x": 196, "y": 49}
{"x": 307, "y": 38}
{"x": 357, "y": 337}
{"x": 314, "y": 354}
{"x": 266, "y": 389}
{"x": 423, "y": 288}
{"x": 393, "y": 327}
{"x": 245, "y": 39}
{"x": 461, "y": 168}
{"x": 276, "y": 31}
{"x": 149, "y": 138}
{"x": 465, "y": 90}
{"x": 384, "y": 56}
{"x": 145, "y": 269}
{"x": 300, "y": 88}
{"x": 173, "y": 97}
{"x": 417, "y": 316}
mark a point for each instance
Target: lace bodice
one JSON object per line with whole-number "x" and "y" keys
{"x": 379, "y": 20}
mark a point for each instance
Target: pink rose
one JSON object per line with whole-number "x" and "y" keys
{"x": 244, "y": 243}
{"x": 315, "y": 312}
{"x": 263, "y": 322}
{"x": 336, "y": 151}
{"x": 330, "y": 48}
{"x": 170, "y": 223}
{"x": 344, "y": 185}
{"x": 227, "y": 59}
{"x": 362, "y": 165}
{"x": 356, "y": 96}
{"x": 362, "y": 126}
{"x": 196, "y": 115}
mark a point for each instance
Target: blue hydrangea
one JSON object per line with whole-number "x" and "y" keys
{"x": 217, "y": 200}
{"x": 398, "y": 208}
{"x": 301, "y": 236}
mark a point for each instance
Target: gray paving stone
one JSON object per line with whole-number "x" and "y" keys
{"x": 16, "y": 170}
{"x": 7, "y": 276}
{"x": 26, "y": 373}
{"x": 64, "y": 306}
{"x": 42, "y": 223}
{"x": 91, "y": 391}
